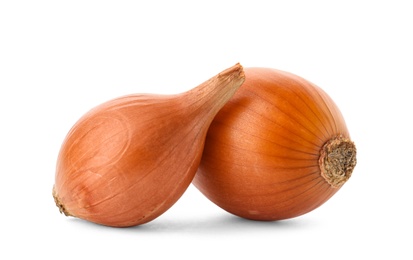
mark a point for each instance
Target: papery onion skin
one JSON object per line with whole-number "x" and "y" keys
{"x": 269, "y": 153}
{"x": 128, "y": 160}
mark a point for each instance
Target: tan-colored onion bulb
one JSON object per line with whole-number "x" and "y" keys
{"x": 278, "y": 149}
{"x": 127, "y": 161}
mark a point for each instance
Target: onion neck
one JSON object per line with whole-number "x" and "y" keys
{"x": 337, "y": 160}
{"x": 210, "y": 96}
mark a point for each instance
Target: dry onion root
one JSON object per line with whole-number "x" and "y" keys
{"x": 278, "y": 149}
{"x": 128, "y": 160}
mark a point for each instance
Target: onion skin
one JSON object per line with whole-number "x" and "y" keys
{"x": 278, "y": 149}
{"x": 127, "y": 161}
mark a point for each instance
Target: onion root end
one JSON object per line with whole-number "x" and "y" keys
{"x": 337, "y": 160}
{"x": 59, "y": 204}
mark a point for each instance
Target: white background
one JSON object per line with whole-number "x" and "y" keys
{"x": 58, "y": 59}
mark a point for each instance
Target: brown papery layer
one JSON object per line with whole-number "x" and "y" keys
{"x": 337, "y": 160}
{"x": 59, "y": 204}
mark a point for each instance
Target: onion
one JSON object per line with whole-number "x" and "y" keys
{"x": 278, "y": 149}
{"x": 127, "y": 161}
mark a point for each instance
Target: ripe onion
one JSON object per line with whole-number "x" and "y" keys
{"x": 278, "y": 149}
{"x": 128, "y": 160}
